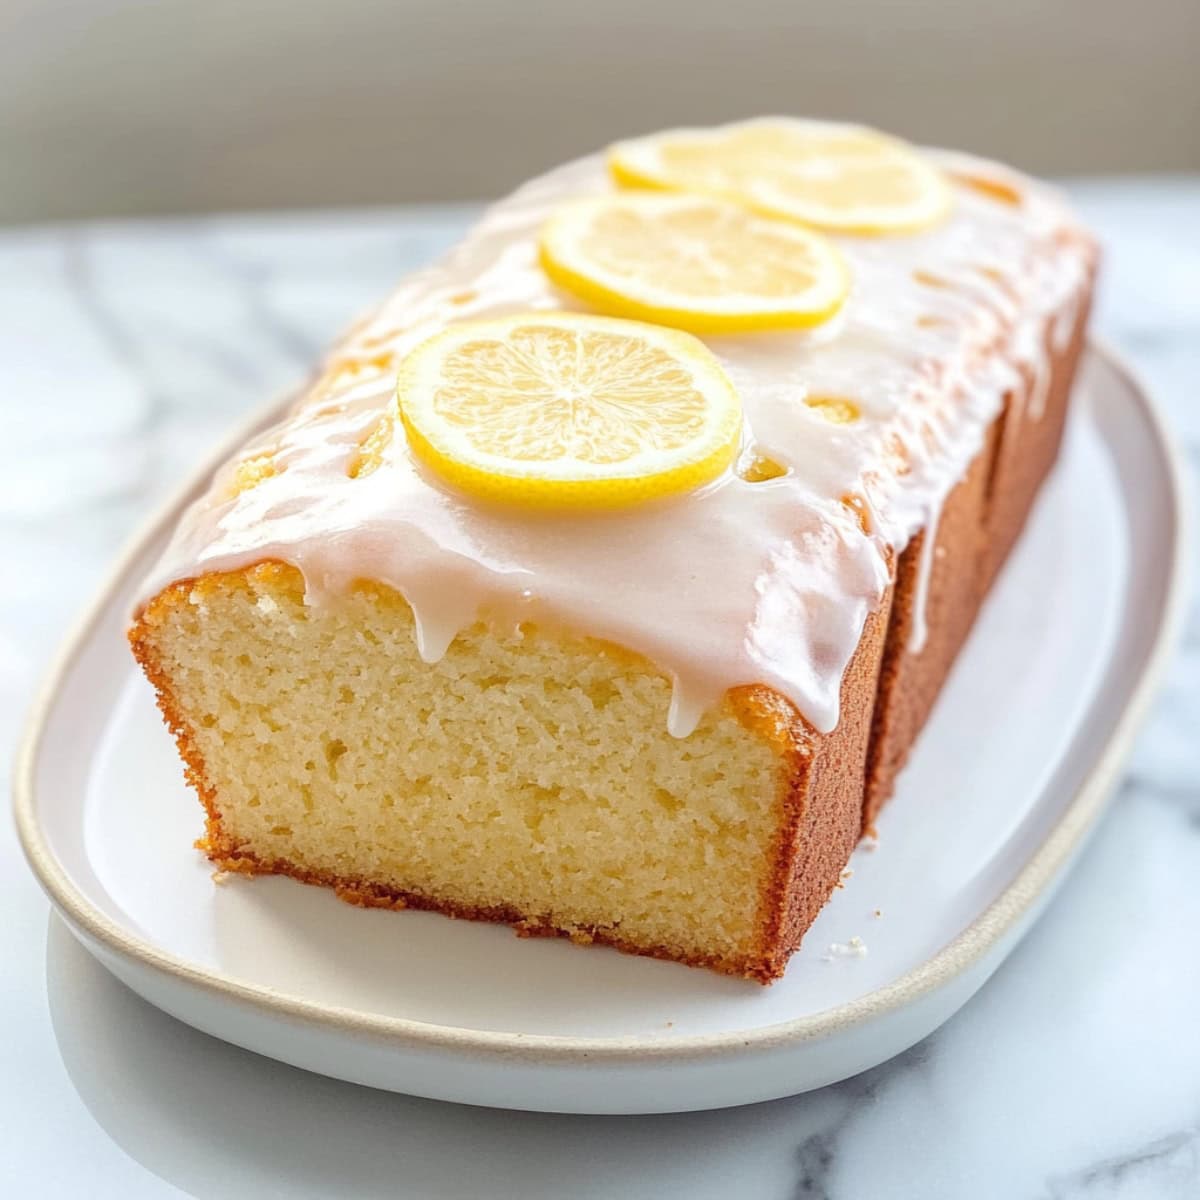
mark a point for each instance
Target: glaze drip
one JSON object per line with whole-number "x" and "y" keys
{"x": 746, "y": 581}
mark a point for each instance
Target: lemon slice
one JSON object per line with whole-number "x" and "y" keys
{"x": 839, "y": 177}
{"x": 567, "y": 410}
{"x": 693, "y": 262}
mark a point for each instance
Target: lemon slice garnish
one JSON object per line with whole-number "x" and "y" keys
{"x": 567, "y": 410}
{"x": 693, "y": 262}
{"x": 839, "y": 177}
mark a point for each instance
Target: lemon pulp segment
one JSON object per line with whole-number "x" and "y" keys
{"x": 693, "y": 262}
{"x": 568, "y": 410}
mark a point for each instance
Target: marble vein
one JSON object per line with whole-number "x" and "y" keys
{"x": 1166, "y": 1166}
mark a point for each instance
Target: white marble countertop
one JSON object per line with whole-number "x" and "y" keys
{"x": 125, "y": 351}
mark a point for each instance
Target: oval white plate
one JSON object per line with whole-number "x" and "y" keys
{"x": 1008, "y": 778}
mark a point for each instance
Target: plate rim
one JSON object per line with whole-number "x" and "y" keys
{"x": 948, "y": 963}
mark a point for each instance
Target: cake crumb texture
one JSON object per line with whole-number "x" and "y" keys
{"x": 528, "y": 776}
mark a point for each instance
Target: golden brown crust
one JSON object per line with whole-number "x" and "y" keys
{"x": 822, "y": 808}
{"x": 367, "y": 894}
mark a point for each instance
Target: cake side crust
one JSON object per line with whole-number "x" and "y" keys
{"x": 825, "y": 805}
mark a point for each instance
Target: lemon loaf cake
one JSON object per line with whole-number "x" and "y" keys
{"x": 602, "y": 580}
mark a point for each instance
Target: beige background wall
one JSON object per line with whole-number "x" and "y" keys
{"x": 125, "y": 106}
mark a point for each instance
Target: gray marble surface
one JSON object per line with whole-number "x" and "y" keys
{"x": 125, "y": 351}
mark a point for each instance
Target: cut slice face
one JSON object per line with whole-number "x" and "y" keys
{"x": 838, "y": 177}
{"x": 566, "y": 410}
{"x": 693, "y": 262}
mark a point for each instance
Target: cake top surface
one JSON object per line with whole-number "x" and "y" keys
{"x": 854, "y": 432}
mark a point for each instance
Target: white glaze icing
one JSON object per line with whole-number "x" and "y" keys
{"x": 919, "y": 632}
{"x": 739, "y": 582}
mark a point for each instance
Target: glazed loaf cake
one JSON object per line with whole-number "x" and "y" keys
{"x": 661, "y": 726}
